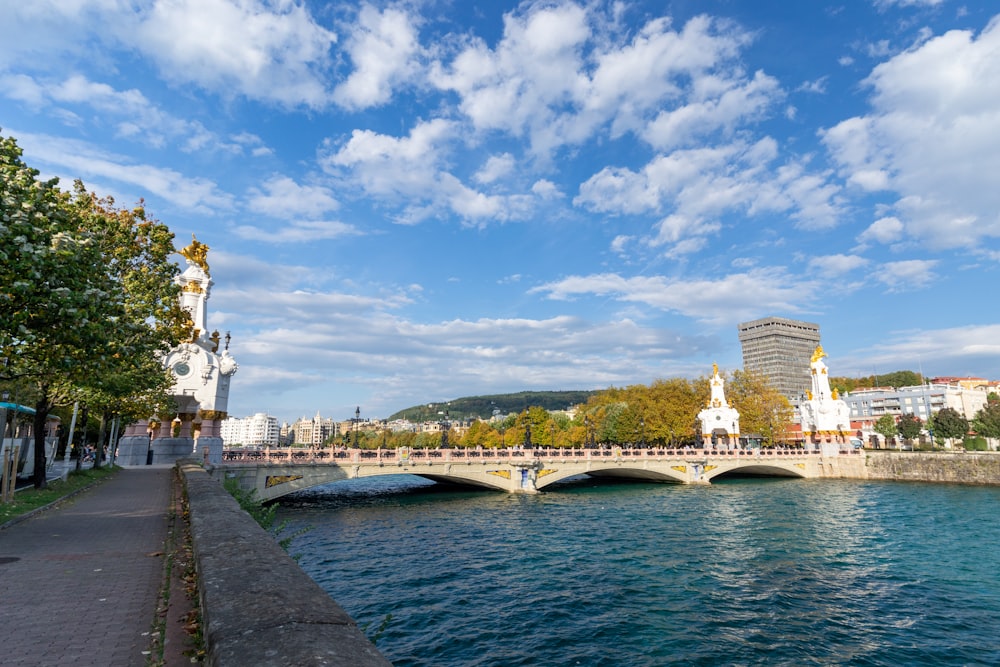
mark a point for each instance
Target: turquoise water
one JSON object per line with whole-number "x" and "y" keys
{"x": 744, "y": 572}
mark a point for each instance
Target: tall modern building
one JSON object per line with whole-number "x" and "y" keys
{"x": 781, "y": 349}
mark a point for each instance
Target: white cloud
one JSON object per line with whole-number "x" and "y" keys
{"x": 933, "y": 138}
{"x": 281, "y": 197}
{"x": 700, "y": 185}
{"x": 716, "y": 105}
{"x": 496, "y": 167}
{"x": 728, "y": 299}
{"x": 836, "y": 265}
{"x": 270, "y": 50}
{"x": 382, "y": 46}
{"x": 296, "y": 232}
{"x": 907, "y": 275}
{"x": 884, "y": 230}
{"x": 88, "y": 162}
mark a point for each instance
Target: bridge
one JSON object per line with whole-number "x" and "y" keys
{"x": 273, "y": 473}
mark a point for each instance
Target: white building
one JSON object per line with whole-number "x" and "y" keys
{"x": 260, "y": 430}
{"x": 921, "y": 401}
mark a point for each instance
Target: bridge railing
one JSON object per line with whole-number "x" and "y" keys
{"x": 514, "y": 456}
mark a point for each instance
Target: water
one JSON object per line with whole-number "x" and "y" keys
{"x": 744, "y": 572}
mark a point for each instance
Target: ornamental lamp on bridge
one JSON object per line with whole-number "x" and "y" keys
{"x": 357, "y": 421}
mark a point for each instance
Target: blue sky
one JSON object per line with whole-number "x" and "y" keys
{"x": 417, "y": 201}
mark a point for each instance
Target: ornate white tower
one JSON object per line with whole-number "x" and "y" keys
{"x": 718, "y": 417}
{"x": 202, "y": 374}
{"x": 825, "y": 417}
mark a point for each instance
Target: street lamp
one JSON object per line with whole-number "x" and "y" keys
{"x": 642, "y": 425}
{"x": 445, "y": 427}
{"x": 385, "y": 428}
{"x": 527, "y": 435}
{"x": 357, "y": 420}
{"x": 552, "y": 431}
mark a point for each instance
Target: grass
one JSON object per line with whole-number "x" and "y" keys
{"x": 27, "y": 500}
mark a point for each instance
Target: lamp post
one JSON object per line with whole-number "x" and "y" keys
{"x": 385, "y": 428}
{"x": 527, "y": 435}
{"x": 642, "y": 425}
{"x": 552, "y": 432}
{"x": 357, "y": 420}
{"x": 445, "y": 427}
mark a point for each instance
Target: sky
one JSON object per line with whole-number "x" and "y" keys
{"x": 412, "y": 202}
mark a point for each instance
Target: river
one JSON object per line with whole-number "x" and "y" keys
{"x": 742, "y": 572}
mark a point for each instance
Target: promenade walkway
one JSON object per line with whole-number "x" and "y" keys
{"x": 79, "y": 583}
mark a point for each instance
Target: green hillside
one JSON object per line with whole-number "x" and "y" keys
{"x": 482, "y": 407}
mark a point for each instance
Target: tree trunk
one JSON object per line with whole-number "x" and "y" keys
{"x": 42, "y": 407}
{"x": 99, "y": 448}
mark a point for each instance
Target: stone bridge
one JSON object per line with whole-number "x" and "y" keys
{"x": 273, "y": 473}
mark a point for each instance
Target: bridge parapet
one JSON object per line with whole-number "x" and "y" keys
{"x": 277, "y": 472}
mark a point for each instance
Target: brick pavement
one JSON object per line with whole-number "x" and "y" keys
{"x": 83, "y": 588}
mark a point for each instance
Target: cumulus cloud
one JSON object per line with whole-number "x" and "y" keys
{"x": 932, "y": 138}
{"x": 884, "y": 230}
{"x": 271, "y": 50}
{"x": 907, "y": 275}
{"x": 282, "y": 197}
{"x": 383, "y": 47}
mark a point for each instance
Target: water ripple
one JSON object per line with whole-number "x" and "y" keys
{"x": 749, "y": 572}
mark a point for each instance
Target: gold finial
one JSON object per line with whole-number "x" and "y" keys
{"x": 818, "y": 354}
{"x": 715, "y": 369}
{"x": 196, "y": 253}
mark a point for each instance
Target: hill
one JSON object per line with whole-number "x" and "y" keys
{"x": 482, "y": 407}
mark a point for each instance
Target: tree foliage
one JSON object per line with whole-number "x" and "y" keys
{"x": 909, "y": 426}
{"x": 987, "y": 421}
{"x": 886, "y": 427}
{"x": 85, "y": 302}
{"x": 763, "y": 409}
{"x": 949, "y": 423}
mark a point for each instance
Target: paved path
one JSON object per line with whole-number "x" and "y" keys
{"x": 78, "y": 583}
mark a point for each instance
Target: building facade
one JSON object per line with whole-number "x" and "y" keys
{"x": 868, "y": 405}
{"x": 312, "y": 432}
{"x": 260, "y": 430}
{"x": 781, "y": 350}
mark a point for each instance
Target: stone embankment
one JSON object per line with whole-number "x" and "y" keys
{"x": 951, "y": 467}
{"x": 258, "y": 606}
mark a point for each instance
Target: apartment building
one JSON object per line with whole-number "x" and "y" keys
{"x": 780, "y": 349}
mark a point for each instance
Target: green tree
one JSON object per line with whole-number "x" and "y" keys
{"x": 909, "y": 426}
{"x": 57, "y": 299}
{"x": 987, "y": 421}
{"x": 949, "y": 423}
{"x": 89, "y": 301}
{"x": 886, "y": 427}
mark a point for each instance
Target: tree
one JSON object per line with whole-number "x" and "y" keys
{"x": 763, "y": 409}
{"x": 909, "y": 426}
{"x": 886, "y": 427}
{"x": 987, "y": 421}
{"x": 949, "y": 423}
{"x": 57, "y": 297}
{"x": 88, "y": 298}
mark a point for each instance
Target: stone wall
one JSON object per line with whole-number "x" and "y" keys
{"x": 259, "y": 608}
{"x": 952, "y": 467}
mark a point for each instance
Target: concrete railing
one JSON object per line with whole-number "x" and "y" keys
{"x": 258, "y": 606}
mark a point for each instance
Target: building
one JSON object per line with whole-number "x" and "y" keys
{"x": 781, "y": 350}
{"x": 312, "y": 432}
{"x": 868, "y": 405}
{"x": 260, "y": 430}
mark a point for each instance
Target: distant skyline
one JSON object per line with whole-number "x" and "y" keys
{"x": 410, "y": 202}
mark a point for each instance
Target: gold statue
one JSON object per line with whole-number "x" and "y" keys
{"x": 818, "y": 354}
{"x": 196, "y": 253}
{"x": 715, "y": 369}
